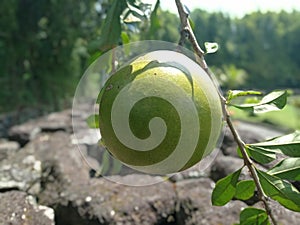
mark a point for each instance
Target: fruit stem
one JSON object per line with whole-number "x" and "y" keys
{"x": 187, "y": 33}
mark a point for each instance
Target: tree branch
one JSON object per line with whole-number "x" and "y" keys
{"x": 186, "y": 29}
{"x": 187, "y": 32}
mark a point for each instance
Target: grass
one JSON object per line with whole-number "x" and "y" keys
{"x": 287, "y": 118}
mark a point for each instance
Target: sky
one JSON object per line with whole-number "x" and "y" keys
{"x": 235, "y": 8}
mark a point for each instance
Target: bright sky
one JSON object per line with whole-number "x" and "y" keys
{"x": 235, "y": 8}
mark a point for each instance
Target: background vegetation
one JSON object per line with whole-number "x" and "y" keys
{"x": 46, "y": 45}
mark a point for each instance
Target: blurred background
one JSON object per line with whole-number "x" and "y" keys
{"x": 46, "y": 45}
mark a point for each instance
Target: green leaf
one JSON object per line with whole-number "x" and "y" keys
{"x": 238, "y": 93}
{"x": 124, "y": 37}
{"x": 287, "y": 169}
{"x": 274, "y": 101}
{"x": 130, "y": 17}
{"x": 93, "y": 121}
{"x": 260, "y": 154}
{"x": 155, "y": 22}
{"x": 133, "y": 13}
{"x": 244, "y": 189}
{"x": 125, "y": 41}
{"x": 211, "y": 47}
{"x": 111, "y": 28}
{"x": 239, "y": 153}
{"x": 225, "y": 189}
{"x": 279, "y": 190}
{"x": 288, "y": 144}
{"x": 251, "y": 216}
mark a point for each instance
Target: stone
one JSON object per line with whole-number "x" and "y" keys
{"x": 8, "y": 148}
{"x": 61, "y": 162}
{"x": 57, "y": 121}
{"x": 281, "y": 214}
{"x": 24, "y": 133}
{"x": 19, "y": 208}
{"x": 100, "y": 201}
{"x": 250, "y": 133}
{"x": 49, "y": 163}
{"x": 224, "y": 165}
{"x": 194, "y": 205}
{"x": 20, "y": 173}
{"x": 50, "y": 167}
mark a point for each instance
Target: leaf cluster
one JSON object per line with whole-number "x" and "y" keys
{"x": 275, "y": 182}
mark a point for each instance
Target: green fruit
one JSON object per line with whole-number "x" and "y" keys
{"x": 160, "y": 114}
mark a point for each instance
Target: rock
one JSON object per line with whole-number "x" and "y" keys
{"x": 224, "y": 165}
{"x": 50, "y": 162}
{"x": 24, "y": 133}
{"x": 195, "y": 208}
{"x": 8, "y": 148}
{"x": 62, "y": 163}
{"x": 250, "y": 133}
{"x": 281, "y": 214}
{"x": 50, "y": 167}
{"x": 100, "y": 201}
{"x": 20, "y": 173}
{"x": 19, "y": 208}
{"x": 7, "y": 120}
{"x": 58, "y": 121}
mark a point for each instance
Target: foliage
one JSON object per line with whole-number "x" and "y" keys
{"x": 45, "y": 45}
{"x": 229, "y": 76}
{"x": 274, "y": 118}
{"x": 225, "y": 189}
{"x": 276, "y": 182}
{"x": 271, "y": 102}
{"x": 41, "y": 51}
{"x": 252, "y": 215}
{"x": 250, "y": 43}
{"x": 255, "y": 58}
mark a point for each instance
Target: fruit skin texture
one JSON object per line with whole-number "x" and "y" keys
{"x": 160, "y": 114}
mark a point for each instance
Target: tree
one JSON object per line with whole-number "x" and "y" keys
{"x": 42, "y": 47}
{"x": 274, "y": 183}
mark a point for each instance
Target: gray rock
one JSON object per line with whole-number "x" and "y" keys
{"x": 224, "y": 165}
{"x": 18, "y": 208}
{"x": 103, "y": 202}
{"x": 20, "y": 173}
{"x": 250, "y": 133}
{"x": 50, "y": 167}
{"x": 62, "y": 163}
{"x": 58, "y": 121}
{"x": 24, "y": 133}
{"x": 281, "y": 214}
{"x": 195, "y": 208}
{"x": 49, "y": 163}
{"x": 8, "y": 148}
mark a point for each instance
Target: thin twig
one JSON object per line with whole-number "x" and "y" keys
{"x": 188, "y": 32}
